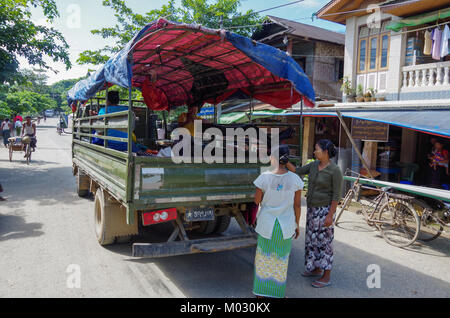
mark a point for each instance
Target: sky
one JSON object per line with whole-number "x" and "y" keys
{"x": 78, "y": 18}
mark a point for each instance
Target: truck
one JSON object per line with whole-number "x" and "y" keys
{"x": 172, "y": 64}
{"x": 134, "y": 191}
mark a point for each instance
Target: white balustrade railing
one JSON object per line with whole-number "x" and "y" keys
{"x": 426, "y": 75}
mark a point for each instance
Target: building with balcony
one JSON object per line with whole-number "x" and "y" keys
{"x": 398, "y": 48}
{"x": 385, "y": 46}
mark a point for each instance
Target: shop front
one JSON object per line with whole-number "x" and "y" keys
{"x": 401, "y": 145}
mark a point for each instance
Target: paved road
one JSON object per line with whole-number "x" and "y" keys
{"x": 45, "y": 228}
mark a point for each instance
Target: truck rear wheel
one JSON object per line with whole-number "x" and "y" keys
{"x": 110, "y": 220}
{"x": 223, "y": 222}
{"x": 82, "y": 184}
{"x": 207, "y": 227}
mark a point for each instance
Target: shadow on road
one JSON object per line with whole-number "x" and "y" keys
{"x": 14, "y": 227}
{"x": 47, "y": 186}
{"x": 230, "y": 274}
{"x": 19, "y": 157}
{"x": 439, "y": 247}
{"x": 193, "y": 274}
{"x": 45, "y": 126}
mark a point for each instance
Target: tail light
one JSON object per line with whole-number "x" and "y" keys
{"x": 161, "y": 216}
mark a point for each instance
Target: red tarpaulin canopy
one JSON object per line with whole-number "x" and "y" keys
{"x": 180, "y": 64}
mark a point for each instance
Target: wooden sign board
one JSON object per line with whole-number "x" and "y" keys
{"x": 367, "y": 130}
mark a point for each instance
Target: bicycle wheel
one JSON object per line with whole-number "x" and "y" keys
{"x": 430, "y": 227}
{"x": 345, "y": 203}
{"x": 10, "y": 152}
{"x": 28, "y": 153}
{"x": 398, "y": 223}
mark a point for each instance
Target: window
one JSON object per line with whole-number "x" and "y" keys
{"x": 373, "y": 48}
{"x": 362, "y": 55}
{"x": 373, "y": 53}
{"x": 384, "y": 47}
{"x": 339, "y": 69}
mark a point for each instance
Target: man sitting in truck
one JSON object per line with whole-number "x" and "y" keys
{"x": 112, "y": 101}
{"x": 187, "y": 120}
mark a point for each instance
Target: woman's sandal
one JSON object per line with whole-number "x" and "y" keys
{"x": 310, "y": 274}
{"x": 320, "y": 284}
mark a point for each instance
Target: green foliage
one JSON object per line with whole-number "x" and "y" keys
{"x": 306, "y": 177}
{"x": 27, "y": 103}
{"x": 208, "y": 13}
{"x": 19, "y": 36}
{"x": 31, "y": 95}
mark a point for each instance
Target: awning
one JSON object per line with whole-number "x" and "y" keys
{"x": 419, "y": 19}
{"x": 437, "y": 194}
{"x": 435, "y": 122}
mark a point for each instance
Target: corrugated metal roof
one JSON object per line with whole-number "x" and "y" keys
{"x": 309, "y": 31}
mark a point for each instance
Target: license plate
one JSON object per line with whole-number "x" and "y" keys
{"x": 199, "y": 214}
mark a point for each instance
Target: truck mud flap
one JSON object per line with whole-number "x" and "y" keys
{"x": 209, "y": 245}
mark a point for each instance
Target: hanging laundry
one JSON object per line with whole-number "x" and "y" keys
{"x": 437, "y": 40}
{"x": 444, "y": 44}
{"x": 428, "y": 43}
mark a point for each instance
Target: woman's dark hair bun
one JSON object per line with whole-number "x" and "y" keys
{"x": 327, "y": 145}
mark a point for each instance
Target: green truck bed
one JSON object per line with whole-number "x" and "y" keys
{"x": 138, "y": 184}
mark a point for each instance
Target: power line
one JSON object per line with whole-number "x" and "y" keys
{"x": 315, "y": 14}
{"x": 257, "y": 12}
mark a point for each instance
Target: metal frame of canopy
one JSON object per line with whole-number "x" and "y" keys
{"x": 443, "y": 195}
{"x": 437, "y": 194}
{"x": 185, "y": 64}
{"x": 418, "y": 190}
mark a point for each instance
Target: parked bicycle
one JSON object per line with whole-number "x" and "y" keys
{"x": 391, "y": 213}
{"x": 434, "y": 218}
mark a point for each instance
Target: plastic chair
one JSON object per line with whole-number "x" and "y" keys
{"x": 408, "y": 171}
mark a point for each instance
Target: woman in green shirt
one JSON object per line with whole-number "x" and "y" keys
{"x": 324, "y": 192}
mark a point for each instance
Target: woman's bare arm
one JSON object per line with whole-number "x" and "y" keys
{"x": 258, "y": 196}
{"x": 298, "y": 210}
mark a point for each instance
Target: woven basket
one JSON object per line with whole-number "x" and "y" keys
{"x": 16, "y": 147}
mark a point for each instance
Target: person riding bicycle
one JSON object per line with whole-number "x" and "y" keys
{"x": 61, "y": 124}
{"x": 29, "y": 129}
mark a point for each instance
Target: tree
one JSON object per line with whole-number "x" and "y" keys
{"x": 19, "y": 36}
{"x": 32, "y": 95}
{"x": 26, "y": 103}
{"x": 212, "y": 14}
{"x": 34, "y": 80}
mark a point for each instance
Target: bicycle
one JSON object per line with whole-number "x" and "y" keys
{"x": 28, "y": 151}
{"x": 431, "y": 223}
{"x": 18, "y": 144}
{"x": 391, "y": 213}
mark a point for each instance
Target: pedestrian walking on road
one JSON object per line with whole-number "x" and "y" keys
{"x": 278, "y": 193}
{"x": 18, "y": 125}
{"x": 324, "y": 192}
{"x": 6, "y": 131}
